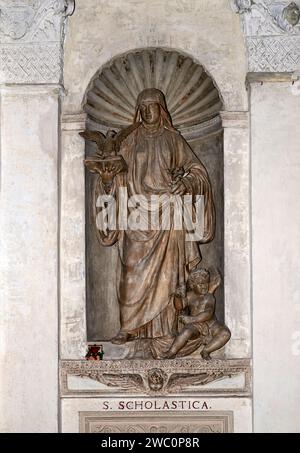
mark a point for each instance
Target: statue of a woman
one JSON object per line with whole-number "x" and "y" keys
{"x": 153, "y": 263}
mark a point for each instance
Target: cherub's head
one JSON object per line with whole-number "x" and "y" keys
{"x": 198, "y": 281}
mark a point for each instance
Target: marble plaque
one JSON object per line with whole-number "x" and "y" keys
{"x": 156, "y": 422}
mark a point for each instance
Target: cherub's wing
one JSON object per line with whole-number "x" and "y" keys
{"x": 94, "y": 136}
{"x": 123, "y": 133}
{"x": 215, "y": 280}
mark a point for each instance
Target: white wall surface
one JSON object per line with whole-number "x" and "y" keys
{"x": 275, "y": 120}
{"x": 28, "y": 265}
{"x": 71, "y": 408}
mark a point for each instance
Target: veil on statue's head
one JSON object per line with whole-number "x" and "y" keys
{"x": 157, "y": 96}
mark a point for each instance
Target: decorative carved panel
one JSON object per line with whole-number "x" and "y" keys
{"x": 272, "y": 32}
{"x": 152, "y": 377}
{"x": 157, "y": 422}
{"x": 31, "y": 36}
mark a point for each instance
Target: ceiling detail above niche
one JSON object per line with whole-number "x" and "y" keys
{"x": 192, "y": 98}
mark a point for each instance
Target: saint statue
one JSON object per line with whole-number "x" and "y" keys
{"x": 153, "y": 263}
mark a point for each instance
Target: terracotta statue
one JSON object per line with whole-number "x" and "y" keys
{"x": 154, "y": 262}
{"x": 201, "y": 322}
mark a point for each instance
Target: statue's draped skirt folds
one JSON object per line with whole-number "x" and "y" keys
{"x": 154, "y": 262}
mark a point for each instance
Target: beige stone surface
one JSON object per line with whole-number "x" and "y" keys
{"x": 71, "y": 409}
{"x": 29, "y": 228}
{"x": 237, "y": 234}
{"x": 275, "y": 112}
{"x": 72, "y": 240}
{"x": 213, "y": 422}
{"x": 207, "y": 30}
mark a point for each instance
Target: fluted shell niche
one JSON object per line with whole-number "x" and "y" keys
{"x": 192, "y": 98}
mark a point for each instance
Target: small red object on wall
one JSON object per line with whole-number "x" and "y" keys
{"x": 94, "y": 352}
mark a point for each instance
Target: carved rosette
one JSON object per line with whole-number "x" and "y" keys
{"x": 31, "y": 36}
{"x": 272, "y": 31}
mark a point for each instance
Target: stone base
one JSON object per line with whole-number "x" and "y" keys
{"x": 175, "y": 396}
{"x": 155, "y": 377}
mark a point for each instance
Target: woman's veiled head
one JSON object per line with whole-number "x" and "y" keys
{"x": 151, "y": 109}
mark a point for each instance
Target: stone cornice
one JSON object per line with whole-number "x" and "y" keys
{"x": 73, "y": 121}
{"x": 235, "y": 119}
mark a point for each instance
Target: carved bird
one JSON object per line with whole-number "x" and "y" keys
{"x": 108, "y": 145}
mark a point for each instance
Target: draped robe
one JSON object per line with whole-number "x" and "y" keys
{"x": 153, "y": 263}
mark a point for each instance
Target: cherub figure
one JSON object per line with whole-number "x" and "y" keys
{"x": 201, "y": 321}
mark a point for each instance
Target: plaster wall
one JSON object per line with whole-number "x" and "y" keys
{"x": 275, "y": 138}
{"x": 29, "y": 259}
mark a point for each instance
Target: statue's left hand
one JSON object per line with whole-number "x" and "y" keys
{"x": 108, "y": 173}
{"x": 178, "y": 188}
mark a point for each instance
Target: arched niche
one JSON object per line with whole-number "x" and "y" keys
{"x": 194, "y": 103}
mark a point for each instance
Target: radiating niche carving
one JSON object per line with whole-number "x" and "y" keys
{"x": 191, "y": 96}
